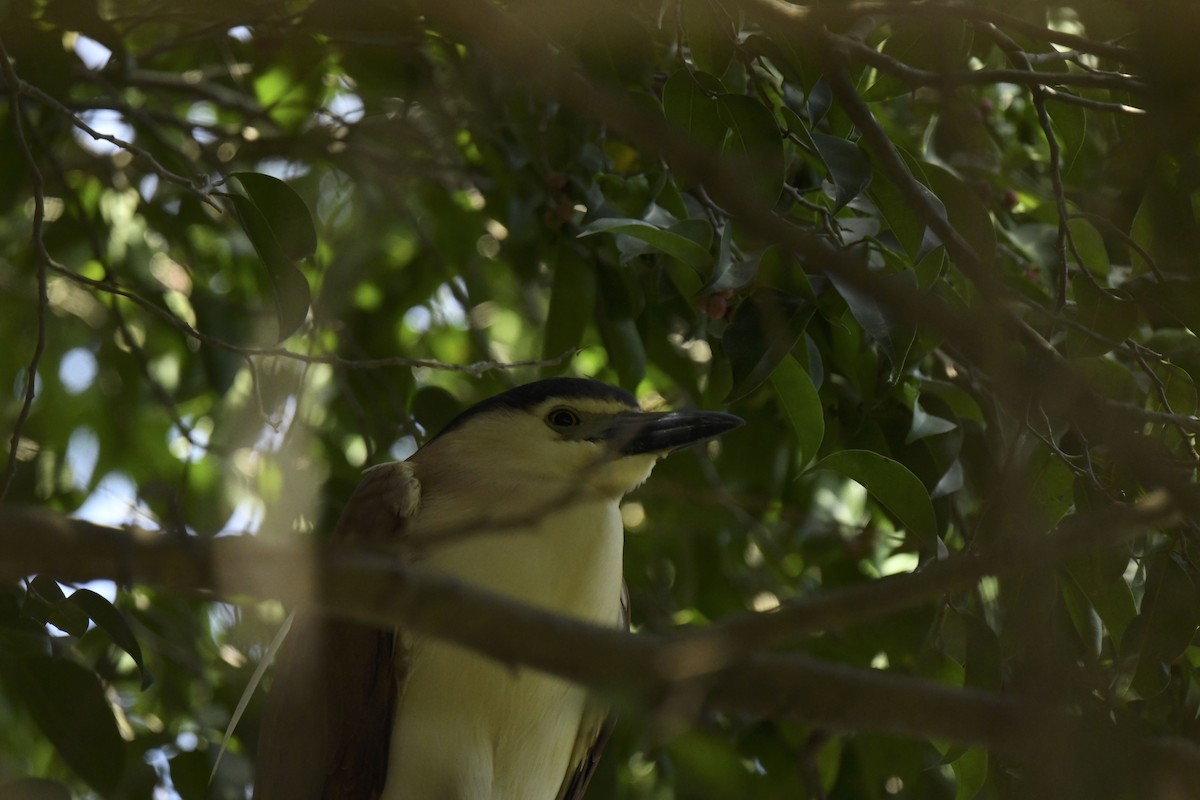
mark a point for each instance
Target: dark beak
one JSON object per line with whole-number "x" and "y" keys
{"x": 663, "y": 432}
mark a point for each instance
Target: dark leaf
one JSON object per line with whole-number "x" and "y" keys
{"x": 710, "y": 35}
{"x": 68, "y": 704}
{"x": 572, "y": 303}
{"x": 755, "y": 145}
{"x": 113, "y": 622}
{"x": 765, "y": 328}
{"x": 689, "y": 101}
{"x": 284, "y": 212}
{"x": 289, "y": 288}
{"x": 848, "y": 166}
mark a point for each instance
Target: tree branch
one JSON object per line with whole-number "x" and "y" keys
{"x": 649, "y": 670}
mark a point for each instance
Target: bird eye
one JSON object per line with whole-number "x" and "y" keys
{"x": 563, "y": 418}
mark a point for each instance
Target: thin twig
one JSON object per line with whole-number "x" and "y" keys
{"x": 200, "y": 187}
{"x": 42, "y": 259}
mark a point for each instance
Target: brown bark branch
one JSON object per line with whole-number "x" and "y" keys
{"x": 649, "y": 670}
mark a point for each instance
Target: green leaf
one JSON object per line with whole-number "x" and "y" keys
{"x": 1112, "y": 318}
{"x": 970, "y": 773}
{"x": 964, "y": 210}
{"x": 892, "y": 485}
{"x": 572, "y": 303}
{"x": 924, "y": 424}
{"x": 1172, "y": 301}
{"x": 1090, "y": 245}
{"x": 764, "y": 329}
{"x": 666, "y": 241}
{"x": 625, "y": 348}
{"x": 289, "y": 288}
{"x": 689, "y": 101}
{"x": 67, "y": 702}
{"x": 616, "y": 47}
{"x": 876, "y": 320}
{"x": 755, "y": 145}
{"x": 1165, "y": 625}
{"x": 284, "y": 212}
{"x": 710, "y": 37}
{"x": 729, "y": 272}
{"x": 46, "y": 602}
{"x": 848, "y": 165}
{"x": 113, "y": 622}
{"x": 1100, "y": 575}
{"x": 801, "y": 405}
{"x": 938, "y": 44}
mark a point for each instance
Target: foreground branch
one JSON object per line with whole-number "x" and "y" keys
{"x": 693, "y": 672}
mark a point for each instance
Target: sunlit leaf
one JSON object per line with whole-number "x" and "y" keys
{"x": 892, "y": 484}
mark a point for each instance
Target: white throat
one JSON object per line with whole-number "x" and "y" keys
{"x": 469, "y": 728}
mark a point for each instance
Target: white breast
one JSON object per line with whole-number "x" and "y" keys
{"x": 469, "y": 728}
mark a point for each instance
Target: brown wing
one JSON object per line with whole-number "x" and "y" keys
{"x": 595, "y": 729}
{"x": 328, "y": 718}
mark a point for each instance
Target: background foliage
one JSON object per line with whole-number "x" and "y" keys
{"x": 942, "y": 258}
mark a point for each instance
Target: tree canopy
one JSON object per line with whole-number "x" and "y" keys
{"x": 941, "y": 256}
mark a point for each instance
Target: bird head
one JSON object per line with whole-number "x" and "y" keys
{"x": 573, "y": 430}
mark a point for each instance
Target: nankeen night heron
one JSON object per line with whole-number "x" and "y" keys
{"x": 361, "y": 712}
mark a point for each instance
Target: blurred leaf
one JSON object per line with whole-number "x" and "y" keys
{"x": 68, "y": 704}
{"x": 709, "y": 36}
{"x": 1100, "y": 575}
{"x": 615, "y": 46}
{"x": 625, "y": 348}
{"x": 572, "y": 303}
{"x": 930, "y": 43}
{"x": 1164, "y": 626}
{"x": 1171, "y": 301}
{"x": 891, "y": 484}
{"x": 34, "y": 789}
{"x": 689, "y": 100}
{"x": 964, "y": 211}
{"x": 1113, "y": 318}
{"x": 970, "y": 773}
{"x": 801, "y": 405}
{"x": 1090, "y": 245}
{"x": 755, "y": 145}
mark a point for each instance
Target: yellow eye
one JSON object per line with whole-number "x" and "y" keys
{"x": 562, "y": 418}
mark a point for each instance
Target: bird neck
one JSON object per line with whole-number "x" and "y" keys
{"x": 550, "y": 544}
